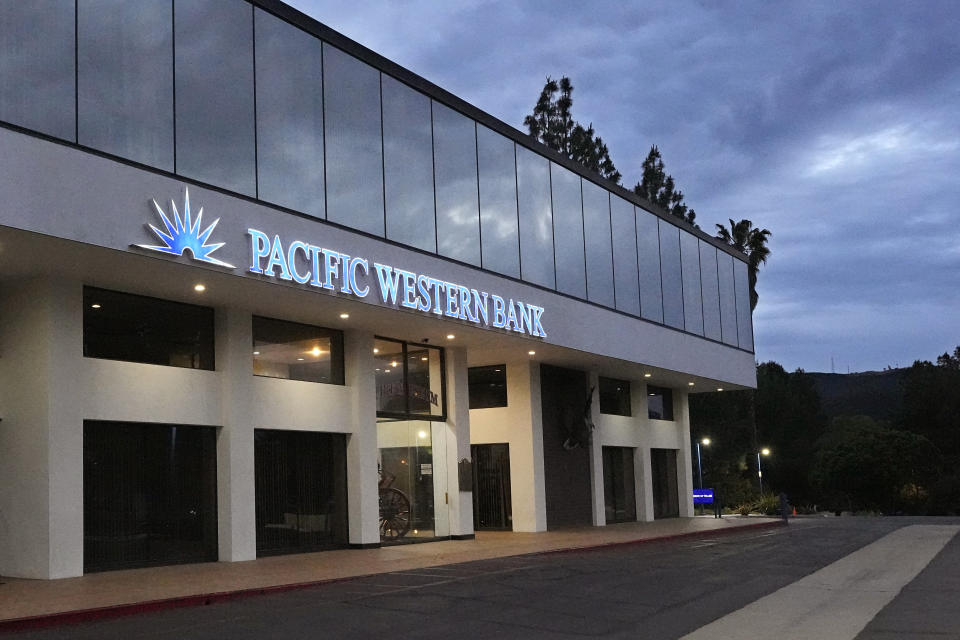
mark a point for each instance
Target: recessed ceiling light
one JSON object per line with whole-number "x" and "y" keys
{"x": 94, "y": 306}
{"x": 450, "y": 336}
{"x": 199, "y": 288}
{"x": 316, "y": 351}
{"x": 497, "y": 370}
{"x": 344, "y": 316}
{"x": 531, "y": 353}
{"x": 647, "y": 375}
{"x": 424, "y": 358}
{"x": 375, "y": 350}
{"x": 256, "y": 353}
{"x": 421, "y": 434}
{"x": 299, "y": 358}
{"x": 719, "y": 388}
{"x": 689, "y": 384}
{"x": 394, "y": 363}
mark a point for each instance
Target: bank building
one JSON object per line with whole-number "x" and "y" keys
{"x": 264, "y": 291}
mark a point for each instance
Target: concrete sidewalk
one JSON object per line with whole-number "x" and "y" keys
{"x": 32, "y": 603}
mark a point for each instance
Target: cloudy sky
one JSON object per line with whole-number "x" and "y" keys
{"x": 834, "y": 125}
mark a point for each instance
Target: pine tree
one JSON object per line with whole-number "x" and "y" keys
{"x": 659, "y": 188}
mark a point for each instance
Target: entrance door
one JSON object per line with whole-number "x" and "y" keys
{"x": 663, "y": 467}
{"x": 491, "y": 487}
{"x": 563, "y": 394}
{"x": 618, "y": 489}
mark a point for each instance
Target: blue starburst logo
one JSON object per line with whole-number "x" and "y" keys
{"x": 185, "y": 234}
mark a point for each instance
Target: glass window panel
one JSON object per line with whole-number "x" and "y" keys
{"x": 455, "y": 166}
{"x": 408, "y": 166}
{"x": 354, "y": 163}
{"x": 596, "y": 229}
{"x": 37, "y": 79}
{"x": 214, "y": 89}
{"x": 487, "y": 386}
{"x": 295, "y": 351}
{"x": 498, "y": 203}
{"x": 648, "y": 259}
{"x": 289, "y": 116}
{"x": 670, "y": 273}
{"x": 568, "y": 231}
{"x": 692, "y": 300}
{"x": 301, "y": 491}
{"x": 728, "y": 301}
{"x": 123, "y": 326}
{"x": 659, "y": 403}
{"x": 623, "y": 224}
{"x": 125, "y": 72}
{"x": 711, "y": 292}
{"x": 412, "y": 495}
{"x": 615, "y": 397}
{"x": 536, "y": 218}
{"x": 388, "y": 373}
{"x": 744, "y": 314}
{"x": 425, "y": 380}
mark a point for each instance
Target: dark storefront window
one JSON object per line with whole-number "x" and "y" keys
{"x": 488, "y": 386}
{"x": 410, "y": 382}
{"x": 295, "y": 351}
{"x": 659, "y": 403}
{"x": 301, "y": 480}
{"x": 149, "y": 495}
{"x": 123, "y": 326}
{"x": 615, "y": 397}
{"x": 619, "y": 491}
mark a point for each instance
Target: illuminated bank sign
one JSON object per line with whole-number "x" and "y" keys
{"x": 332, "y": 270}
{"x": 184, "y": 235}
{"x": 703, "y": 496}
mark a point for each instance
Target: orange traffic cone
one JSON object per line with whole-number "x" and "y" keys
{"x": 794, "y": 511}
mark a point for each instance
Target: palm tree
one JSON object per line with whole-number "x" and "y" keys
{"x": 743, "y": 237}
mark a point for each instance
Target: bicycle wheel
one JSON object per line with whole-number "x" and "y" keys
{"x": 394, "y": 514}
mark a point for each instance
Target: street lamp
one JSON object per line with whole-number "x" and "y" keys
{"x": 706, "y": 443}
{"x": 765, "y": 451}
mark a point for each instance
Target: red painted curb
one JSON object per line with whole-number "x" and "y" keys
{"x": 121, "y": 610}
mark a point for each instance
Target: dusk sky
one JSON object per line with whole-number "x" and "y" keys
{"x": 834, "y": 125}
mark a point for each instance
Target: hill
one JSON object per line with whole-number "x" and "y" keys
{"x": 878, "y": 394}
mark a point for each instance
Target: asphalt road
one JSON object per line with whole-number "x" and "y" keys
{"x": 656, "y": 590}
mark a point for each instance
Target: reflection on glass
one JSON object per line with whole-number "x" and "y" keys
{"x": 596, "y": 229}
{"x": 289, "y": 116}
{"x": 409, "y": 379}
{"x": 568, "y": 231}
{"x": 614, "y": 396}
{"x": 408, "y": 166}
{"x": 388, "y": 374}
{"x": 536, "y": 218}
{"x": 728, "y": 301}
{"x": 125, "y": 79}
{"x": 670, "y": 274}
{"x": 744, "y": 316}
{"x": 424, "y": 380}
{"x": 37, "y": 66}
{"x": 295, "y": 351}
{"x": 412, "y": 483}
{"x": 711, "y": 292}
{"x": 455, "y": 166}
{"x": 351, "y": 92}
{"x": 659, "y": 403}
{"x": 692, "y": 301}
{"x": 498, "y": 203}
{"x": 214, "y": 89}
{"x": 487, "y": 386}
{"x": 624, "y": 230}
{"x": 648, "y": 260}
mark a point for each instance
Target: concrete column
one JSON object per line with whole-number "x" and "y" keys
{"x": 684, "y": 459}
{"x": 596, "y": 454}
{"x": 642, "y": 476}
{"x": 41, "y": 436}
{"x": 458, "y": 442}
{"x": 362, "y": 494}
{"x": 539, "y": 474}
{"x": 236, "y": 486}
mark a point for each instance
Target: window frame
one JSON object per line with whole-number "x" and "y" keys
{"x": 336, "y": 342}
{"x": 495, "y": 368}
{"x": 409, "y": 415}
{"x": 615, "y": 381}
{"x": 667, "y": 394}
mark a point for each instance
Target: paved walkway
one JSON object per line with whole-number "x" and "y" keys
{"x": 184, "y": 584}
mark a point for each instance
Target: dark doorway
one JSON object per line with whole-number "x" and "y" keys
{"x": 301, "y": 480}
{"x": 563, "y": 394}
{"x": 663, "y": 467}
{"x": 149, "y": 495}
{"x": 491, "y": 487}
{"x": 619, "y": 492}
